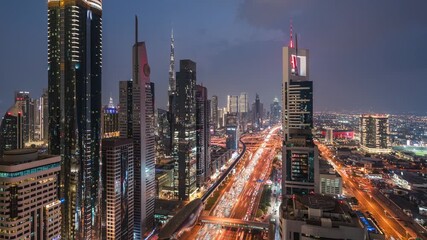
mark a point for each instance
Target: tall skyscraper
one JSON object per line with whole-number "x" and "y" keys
{"x": 26, "y": 104}
{"x": 375, "y": 133}
{"x": 125, "y": 109}
{"x": 184, "y": 145}
{"x": 118, "y": 189}
{"x": 232, "y": 131}
{"x": 243, "y": 103}
{"x": 202, "y": 135}
{"x": 74, "y": 77}
{"x": 44, "y": 122}
{"x": 257, "y": 113}
{"x": 300, "y": 155}
{"x": 11, "y": 130}
{"x": 144, "y": 140}
{"x": 172, "y": 77}
{"x": 275, "y": 111}
{"x": 30, "y": 207}
{"x": 214, "y": 112}
{"x": 232, "y": 103}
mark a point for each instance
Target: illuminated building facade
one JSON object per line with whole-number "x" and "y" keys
{"x": 375, "y": 133}
{"x": 232, "y": 131}
{"x": 125, "y": 109}
{"x": 300, "y": 155}
{"x": 232, "y": 103}
{"x": 30, "y": 208}
{"x": 275, "y": 112}
{"x": 74, "y": 80}
{"x": 26, "y": 104}
{"x": 257, "y": 113}
{"x": 11, "y": 130}
{"x": 202, "y": 135}
{"x": 144, "y": 140}
{"x": 214, "y": 113}
{"x": 110, "y": 121}
{"x": 184, "y": 138}
{"x": 118, "y": 189}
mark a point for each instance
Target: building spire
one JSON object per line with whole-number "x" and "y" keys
{"x": 136, "y": 29}
{"x": 172, "y": 80}
{"x": 291, "y": 42}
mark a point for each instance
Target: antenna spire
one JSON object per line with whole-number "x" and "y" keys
{"x": 291, "y": 42}
{"x": 136, "y": 29}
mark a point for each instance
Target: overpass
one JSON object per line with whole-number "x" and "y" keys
{"x": 234, "y": 223}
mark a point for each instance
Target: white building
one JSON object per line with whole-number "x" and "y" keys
{"x": 318, "y": 217}
{"x": 29, "y": 207}
{"x": 243, "y": 103}
{"x": 232, "y": 103}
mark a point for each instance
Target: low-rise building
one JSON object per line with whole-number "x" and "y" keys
{"x": 409, "y": 180}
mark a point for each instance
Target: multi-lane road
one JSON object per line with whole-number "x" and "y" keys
{"x": 368, "y": 200}
{"x": 243, "y": 191}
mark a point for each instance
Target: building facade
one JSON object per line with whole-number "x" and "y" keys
{"x": 184, "y": 138}
{"x": 118, "y": 189}
{"x": 125, "y": 109}
{"x": 214, "y": 113}
{"x": 144, "y": 140}
{"x": 74, "y": 79}
{"x": 11, "y": 130}
{"x": 232, "y": 103}
{"x": 30, "y": 207}
{"x": 300, "y": 155}
{"x": 375, "y": 133}
{"x": 202, "y": 135}
{"x": 110, "y": 121}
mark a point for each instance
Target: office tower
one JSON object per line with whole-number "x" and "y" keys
{"x": 26, "y": 104}
{"x": 163, "y": 146}
{"x": 125, "y": 109}
{"x": 30, "y": 208}
{"x": 202, "y": 135}
{"x": 110, "y": 120}
{"x": 221, "y": 118}
{"x": 118, "y": 190}
{"x": 44, "y": 116}
{"x": 374, "y": 133}
{"x": 232, "y": 131}
{"x": 320, "y": 217}
{"x": 275, "y": 111}
{"x": 257, "y": 113}
{"x": 243, "y": 103}
{"x": 300, "y": 155}
{"x": 232, "y": 104}
{"x": 214, "y": 112}
{"x": 11, "y": 130}
{"x": 172, "y": 77}
{"x": 74, "y": 81}
{"x": 184, "y": 144}
{"x": 144, "y": 140}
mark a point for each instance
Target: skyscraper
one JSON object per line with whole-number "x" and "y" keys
{"x": 375, "y": 133}
{"x": 110, "y": 120}
{"x": 184, "y": 139}
{"x": 26, "y": 104}
{"x": 45, "y": 116}
{"x": 299, "y": 152}
{"x": 243, "y": 103}
{"x": 74, "y": 78}
{"x": 257, "y": 113}
{"x": 118, "y": 189}
{"x": 125, "y": 109}
{"x": 232, "y": 103}
{"x": 172, "y": 77}
{"x": 144, "y": 140}
{"x": 11, "y": 130}
{"x": 214, "y": 112}
{"x": 202, "y": 135}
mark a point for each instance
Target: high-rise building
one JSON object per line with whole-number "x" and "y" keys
{"x": 329, "y": 136}
{"x": 243, "y": 103}
{"x": 202, "y": 135}
{"x": 118, "y": 190}
{"x": 125, "y": 109}
{"x": 184, "y": 138}
{"x": 26, "y": 104}
{"x": 232, "y": 131}
{"x": 163, "y": 146}
{"x": 172, "y": 77}
{"x": 214, "y": 113}
{"x": 375, "y": 133}
{"x": 11, "y": 130}
{"x": 300, "y": 155}
{"x": 44, "y": 116}
{"x": 275, "y": 112}
{"x": 257, "y": 113}
{"x": 144, "y": 140}
{"x": 30, "y": 207}
{"x": 110, "y": 121}
{"x": 74, "y": 81}
{"x": 232, "y": 103}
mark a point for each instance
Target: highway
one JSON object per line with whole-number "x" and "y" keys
{"x": 241, "y": 197}
{"x": 368, "y": 201}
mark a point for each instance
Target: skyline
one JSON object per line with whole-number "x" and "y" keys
{"x": 367, "y": 59}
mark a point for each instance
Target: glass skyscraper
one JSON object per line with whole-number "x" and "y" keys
{"x": 74, "y": 77}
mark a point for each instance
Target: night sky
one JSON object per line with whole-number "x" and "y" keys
{"x": 365, "y": 55}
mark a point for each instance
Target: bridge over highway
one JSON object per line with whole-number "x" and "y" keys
{"x": 234, "y": 223}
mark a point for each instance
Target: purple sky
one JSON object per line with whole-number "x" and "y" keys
{"x": 365, "y": 55}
